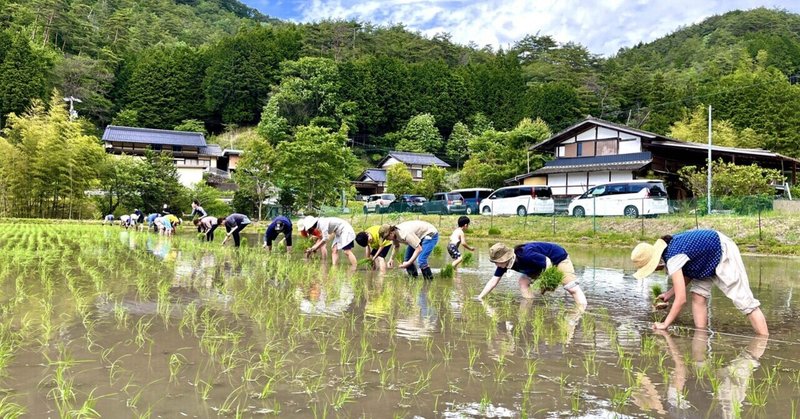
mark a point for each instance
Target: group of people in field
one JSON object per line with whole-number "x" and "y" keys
{"x": 694, "y": 260}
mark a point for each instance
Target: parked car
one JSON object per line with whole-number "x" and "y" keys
{"x": 378, "y": 202}
{"x": 473, "y": 198}
{"x": 520, "y": 200}
{"x": 445, "y": 203}
{"x": 630, "y": 198}
{"x": 407, "y": 203}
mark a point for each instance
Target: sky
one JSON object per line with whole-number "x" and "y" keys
{"x": 603, "y": 26}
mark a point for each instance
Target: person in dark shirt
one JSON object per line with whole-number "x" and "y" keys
{"x": 234, "y": 224}
{"x": 197, "y": 210}
{"x": 279, "y": 225}
{"x": 530, "y": 260}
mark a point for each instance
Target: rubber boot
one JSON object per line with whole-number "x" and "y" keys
{"x": 412, "y": 271}
{"x": 426, "y": 273}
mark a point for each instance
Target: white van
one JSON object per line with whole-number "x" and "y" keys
{"x": 630, "y": 198}
{"x": 521, "y": 200}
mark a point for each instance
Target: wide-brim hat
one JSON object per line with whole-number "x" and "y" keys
{"x": 500, "y": 253}
{"x": 646, "y": 257}
{"x": 308, "y": 223}
{"x": 384, "y": 231}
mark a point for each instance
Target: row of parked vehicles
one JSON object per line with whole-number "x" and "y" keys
{"x": 629, "y": 198}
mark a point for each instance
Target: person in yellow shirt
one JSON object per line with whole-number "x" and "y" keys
{"x": 175, "y": 221}
{"x": 375, "y": 248}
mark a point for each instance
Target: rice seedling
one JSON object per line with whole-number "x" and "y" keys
{"x": 468, "y": 258}
{"x": 9, "y": 409}
{"x": 620, "y": 397}
{"x": 474, "y": 354}
{"x": 447, "y": 271}
{"x": 494, "y": 231}
{"x": 549, "y": 280}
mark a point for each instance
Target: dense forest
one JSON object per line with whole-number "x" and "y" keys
{"x": 217, "y": 65}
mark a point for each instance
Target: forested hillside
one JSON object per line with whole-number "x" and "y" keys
{"x": 215, "y": 65}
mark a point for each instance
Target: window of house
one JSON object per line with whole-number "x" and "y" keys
{"x": 417, "y": 172}
{"x": 571, "y": 150}
{"x": 586, "y": 149}
{"x": 607, "y": 147}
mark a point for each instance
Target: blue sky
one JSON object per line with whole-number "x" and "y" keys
{"x": 602, "y": 26}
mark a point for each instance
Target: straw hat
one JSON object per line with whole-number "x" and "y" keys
{"x": 500, "y": 253}
{"x": 307, "y": 223}
{"x": 384, "y": 231}
{"x": 646, "y": 256}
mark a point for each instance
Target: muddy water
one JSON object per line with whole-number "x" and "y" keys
{"x": 172, "y": 328}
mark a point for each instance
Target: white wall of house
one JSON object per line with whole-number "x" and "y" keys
{"x": 628, "y": 143}
{"x": 190, "y": 176}
{"x": 576, "y": 183}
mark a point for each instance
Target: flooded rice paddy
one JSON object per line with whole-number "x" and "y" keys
{"x": 102, "y": 322}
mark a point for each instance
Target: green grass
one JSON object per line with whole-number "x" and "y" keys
{"x": 549, "y": 280}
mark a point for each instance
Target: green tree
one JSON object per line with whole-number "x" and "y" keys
{"x": 192, "y": 125}
{"x": 126, "y": 118}
{"x": 458, "y": 143}
{"x": 433, "y": 180}
{"x": 254, "y": 172}
{"x": 315, "y": 165}
{"x": 420, "y": 135}
{"x": 121, "y": 184}
{"x": 57, "y": 162}
{"x": 160, "y": 184}
{"x": 399, "y": 180}
{"x": 165, "y": 86}
{"x": 23, "y": 77}
{"x": 730, "y": 179}
{"x": 210, "y": 198}
{"x": 694, "y": 128}
{"x": 243, "y": 68}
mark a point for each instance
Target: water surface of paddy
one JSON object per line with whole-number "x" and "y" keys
{"x": 134, "y": 325}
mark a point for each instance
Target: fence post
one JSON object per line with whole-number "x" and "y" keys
{"x": 594, "y": 214}
{"x": 554, "y": 223}
{"x": 642, "y": 215}
{"x": 760, "y": 237}
{"x": 696, "y": 222}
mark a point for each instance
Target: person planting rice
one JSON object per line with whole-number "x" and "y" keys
{"x": 163, "y": 225}
{"x": 376, "y": 249}
{"x": 531, "y": 260}
{"x": 458, "y": 238}
{"x": 314, "y": 235}
{"x": 174, "y": 220}
{"x": 702, "y": 257}
{"x": 125, "y": 221}
{"x": 151, "y": 221}
{"x": 197, "y": 210}
{"x": 343, "y": 237}
{"x": 421, "y": 238}
{"x": 234, "y": 224}
{"x": 279, "y": 225}
{"x": 207, "y": 225}
{"x": 108, "y": 219}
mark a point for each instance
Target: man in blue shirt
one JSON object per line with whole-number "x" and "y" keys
{"x": 530, "y": 260}
{"x": 279, "y": 225}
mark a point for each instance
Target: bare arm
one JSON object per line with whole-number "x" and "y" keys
{"x": 413, "y": 257}
{"x": 464, "y": 242}
{"x": 678, "y": 291}
{"x": 489, "y": 287}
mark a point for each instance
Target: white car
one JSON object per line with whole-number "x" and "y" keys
{"x": 378, "y": 202}
{"x": 520, "y": 200}
{"x": 630, "y": 198}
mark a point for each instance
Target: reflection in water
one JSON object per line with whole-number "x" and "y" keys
{"x": 326, "y": 298}
{"x": 420, "y": 318}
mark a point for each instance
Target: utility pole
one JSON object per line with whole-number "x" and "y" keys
{"x": 708, "y": 185}
{"x": 73, "y": 114}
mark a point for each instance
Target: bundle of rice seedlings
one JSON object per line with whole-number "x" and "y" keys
{"x": 550, "y": 279}
{"x": 657, "y": 290}
{"x": 201, "y": 236}
{"x": 467, "y": 258}
{"x": 365, "y": 262}
{"x": 494, "y": 231}
{"x": 447, "y": 271}
{"x": 437, "y": 251}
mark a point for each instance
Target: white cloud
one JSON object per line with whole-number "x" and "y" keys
{"x": 603, "y": 26}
